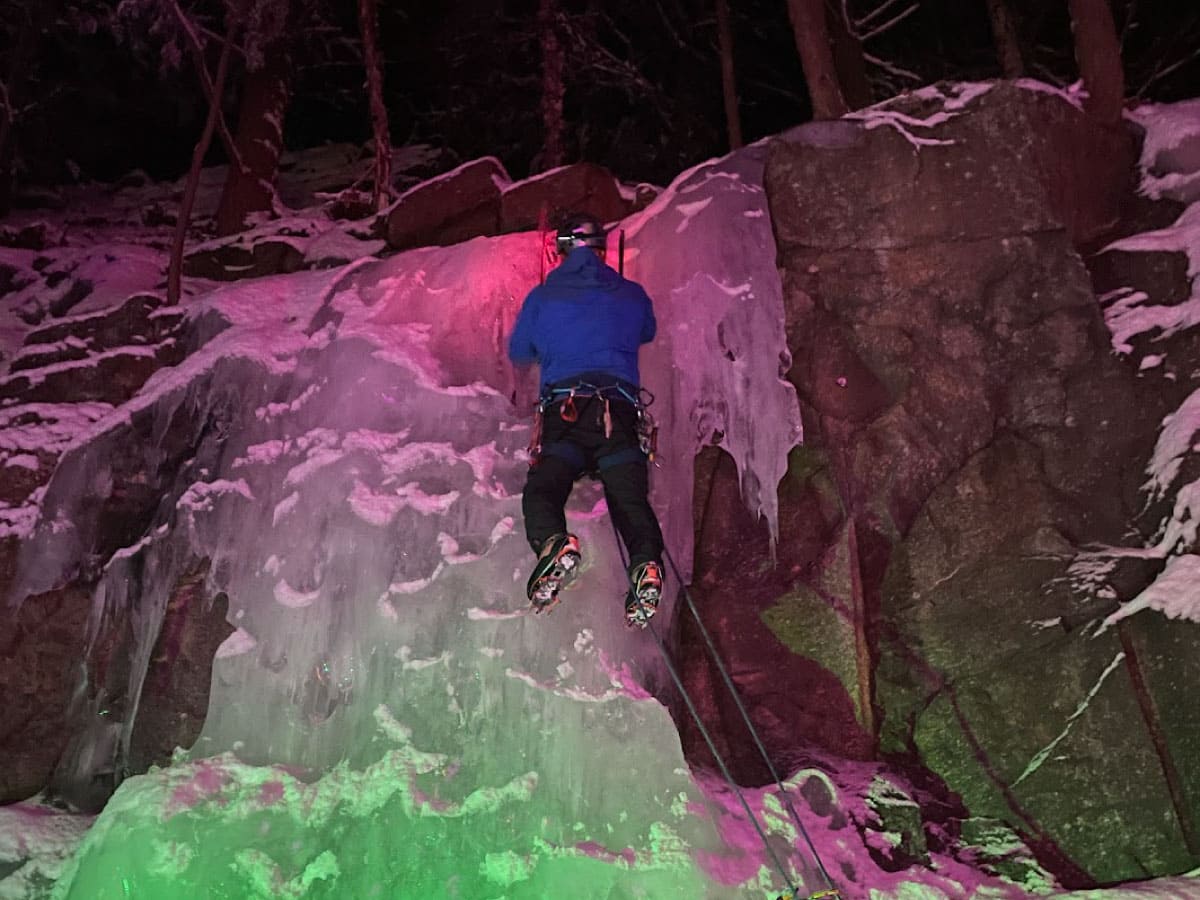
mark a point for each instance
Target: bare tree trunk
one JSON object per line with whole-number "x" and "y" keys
{"x": 1098, "y": 53}
{"x": 553, "y": 63}
{"x": 816, "y": 57}
{"x": 368, "y": 23}
{"x": 848, "y": 59}
{"x": 8, "y": 117}
{"x": 196, "y": 50}
{"x": 259, "y": 140}
{"x": 733, "y": 119}
{"x": 175, "y": 266}
{"x": 1008, "y": 42}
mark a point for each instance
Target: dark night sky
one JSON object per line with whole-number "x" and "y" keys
{"x": 463, "y": 74}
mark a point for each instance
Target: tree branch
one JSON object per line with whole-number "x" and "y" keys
{"x": 186, "y": 203}
{"x": 869, "y": 17}
{"x": 670, "y": 26}
{"x": 197, "y": 50}
{"x": 890, "y": 23}
{"x": 1130, "y": 23}
{"x": 771, "y": 87}
{"x": 1160, "y": 73}
{"x": 891, "y": 68}
{"x": 604, "y": 60}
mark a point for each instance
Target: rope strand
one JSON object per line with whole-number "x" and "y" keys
{"x": 707, "y": 737}
{"x": 787, "y": 801}
{"x": 721, "y": 762}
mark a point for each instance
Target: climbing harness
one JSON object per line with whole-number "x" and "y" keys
{"x": 647, "y": 428}
{"x": 791, "y": 893}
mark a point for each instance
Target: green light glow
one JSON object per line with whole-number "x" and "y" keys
{"x": 219, "y": 828}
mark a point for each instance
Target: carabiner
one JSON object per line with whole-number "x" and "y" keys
{"x": 568, "y": 412}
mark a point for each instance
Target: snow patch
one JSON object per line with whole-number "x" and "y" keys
{"x": 1175, "y": 592}
{"x": 286, "y": 595}
{"x": 241, "y": 641}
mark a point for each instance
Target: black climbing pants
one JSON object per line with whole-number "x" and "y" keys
{"x": 571, "y": 449}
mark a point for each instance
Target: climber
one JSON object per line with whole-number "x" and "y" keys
{"x": 584, "y": 327}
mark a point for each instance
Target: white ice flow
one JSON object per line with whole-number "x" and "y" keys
{"x": 352, "y": 461}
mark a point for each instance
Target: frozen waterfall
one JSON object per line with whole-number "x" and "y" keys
{"x": 343, "y": 451}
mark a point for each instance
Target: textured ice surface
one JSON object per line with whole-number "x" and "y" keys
{"x": 388, "y": 719}
{"x": 705, "y": 252}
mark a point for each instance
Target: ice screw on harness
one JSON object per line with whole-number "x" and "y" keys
{"x": 647, "y": 434}
{"x": 535, "y": 436}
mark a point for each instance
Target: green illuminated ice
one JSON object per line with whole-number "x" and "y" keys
{"x": 219, "y": 828}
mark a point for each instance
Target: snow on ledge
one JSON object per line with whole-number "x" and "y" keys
{"x": 1175, "y": 593}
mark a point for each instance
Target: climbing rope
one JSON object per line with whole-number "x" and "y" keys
{"x": 785, "y": 796}
{"x": 720, "y": 762}
{"x": 831, "y": 893}
{"x": 687, "y": 699}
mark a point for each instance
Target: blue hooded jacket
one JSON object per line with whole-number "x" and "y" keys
{"x": 585, "y": 320}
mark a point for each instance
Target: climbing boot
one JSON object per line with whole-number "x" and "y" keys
{"x": 641, "y": 604}
{"x": 557, "y": 566}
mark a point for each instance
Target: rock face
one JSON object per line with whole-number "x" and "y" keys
{"x": 478, "y": 199}
{"x": 972, "y": 432}
{"x": 336, "y": 475}
{"x": 354, "y": 501}
{"x": 461, "y": 204}
{"x": 583, "y": 186}
{"x": 475, "y": 199}
{"x": 39, "y": 657}
{"x": 229, "y": 261}
{"x": 968, "y": 434}
{"x": 69, "y": 373}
